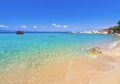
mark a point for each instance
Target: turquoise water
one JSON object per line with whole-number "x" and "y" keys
{"x": 19, "y": 52}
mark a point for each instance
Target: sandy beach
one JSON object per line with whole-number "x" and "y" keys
{"x": 104, "y": 69}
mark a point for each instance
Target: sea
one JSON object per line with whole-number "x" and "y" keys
{"x": 31, "y": 50}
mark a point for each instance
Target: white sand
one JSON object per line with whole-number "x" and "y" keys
{"x": 76, "y": 70}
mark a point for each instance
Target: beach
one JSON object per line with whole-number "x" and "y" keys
{"x": 72, "y": 71}
{"x": 67, "y": 64}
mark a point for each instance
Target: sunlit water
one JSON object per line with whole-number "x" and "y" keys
{"x": 61, "y": 51}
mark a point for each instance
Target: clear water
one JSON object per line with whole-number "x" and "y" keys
{"x": 19, "y": 52}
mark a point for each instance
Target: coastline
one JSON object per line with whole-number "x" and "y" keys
{"x": 72, "y": 70}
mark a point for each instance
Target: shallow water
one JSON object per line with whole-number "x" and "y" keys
{"x": 53, "y": 58}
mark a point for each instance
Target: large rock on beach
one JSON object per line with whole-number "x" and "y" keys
{"x": 95, "y": 51}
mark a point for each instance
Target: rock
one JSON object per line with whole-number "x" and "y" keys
{"x": 19, "y": 32}
{"x": 116, "y": 34}
{"x": 95, "y": 50}
{"x": 105, "y": 31}
{"x": 110, "y": 32}
{"x": 91, "y": 32}
{"x": 95, "y": 32}
{"x": 117, "y": 31}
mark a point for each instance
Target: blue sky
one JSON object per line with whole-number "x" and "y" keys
{"x": 58, "y": 15}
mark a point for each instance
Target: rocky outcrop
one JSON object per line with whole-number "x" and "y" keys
{"x": 95, "y": 31}
{"x": 110, "y": 31}
{"x": 103, "y": 31}
{"x": 116, "y": 31}
{"x": 91, "y": 32}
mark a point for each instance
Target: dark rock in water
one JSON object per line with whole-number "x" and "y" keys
{"x": 19, "y": 32}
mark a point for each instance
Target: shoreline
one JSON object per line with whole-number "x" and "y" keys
{"x": 75, "y": 69}
{"x": 67, "y": 72}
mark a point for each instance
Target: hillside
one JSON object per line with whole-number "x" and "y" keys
{"x": 112, "y": 30}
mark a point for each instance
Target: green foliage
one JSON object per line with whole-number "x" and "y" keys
{"x": 118, "y": 23}
{"x": 115, "y": 28}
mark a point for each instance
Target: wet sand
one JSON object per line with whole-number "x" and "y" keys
{"x": 105, "y": 69}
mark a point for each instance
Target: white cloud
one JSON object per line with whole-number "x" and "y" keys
{"x": 35, "y": 27}
{"x": 3, "y": 26}
{"x": 54, "y": 24}
{"x": 23, "y": 26}
{"x": 65, "y": 26}
{"x": 59, "y": 26}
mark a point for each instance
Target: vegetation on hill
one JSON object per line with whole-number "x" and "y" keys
{"x": 115, "y": 29}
